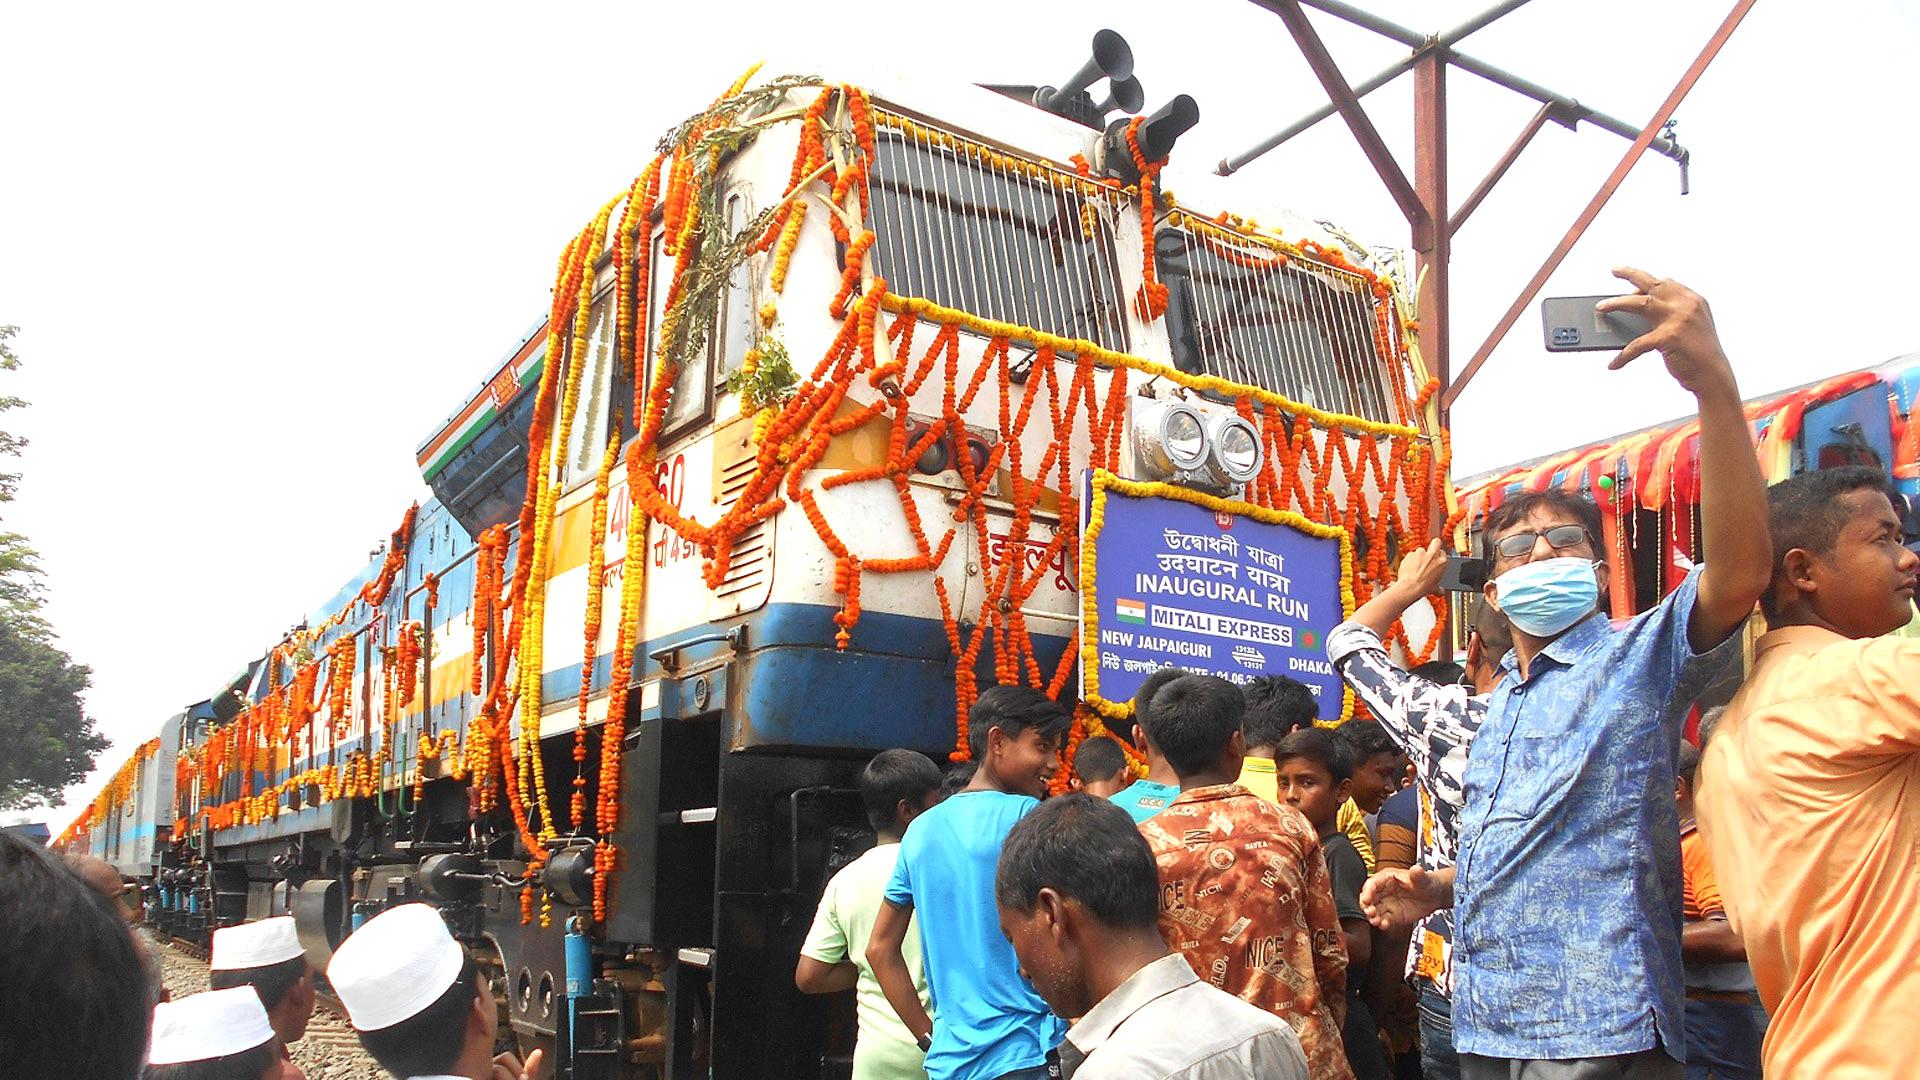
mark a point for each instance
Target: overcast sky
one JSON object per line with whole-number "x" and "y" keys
{"x": 259, "y": 251}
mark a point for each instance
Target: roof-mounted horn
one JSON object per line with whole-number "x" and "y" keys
{"x": 1111, "y": 59}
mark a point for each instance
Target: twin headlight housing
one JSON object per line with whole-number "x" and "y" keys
{"x": 1195, "y": 443}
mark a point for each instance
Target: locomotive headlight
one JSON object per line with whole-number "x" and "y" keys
{"x": 1170, "y": 438}
{"x": 1235, "y": 454}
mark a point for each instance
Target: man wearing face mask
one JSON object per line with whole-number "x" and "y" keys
{"x": 1567, "y": 889}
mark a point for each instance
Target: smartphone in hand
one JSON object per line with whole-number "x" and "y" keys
{"x": 1572, "y": 324}
{"x": 1464, "y": 574}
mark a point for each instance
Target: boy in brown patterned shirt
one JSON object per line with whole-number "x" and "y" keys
{"x": 1244, "y": 890}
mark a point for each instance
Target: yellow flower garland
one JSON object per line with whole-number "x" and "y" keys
{"x": 933, "y": 312}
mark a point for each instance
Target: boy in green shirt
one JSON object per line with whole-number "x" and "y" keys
{"x": 896, "y": 786}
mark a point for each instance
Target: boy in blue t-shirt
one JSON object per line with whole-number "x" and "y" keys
{"x": 1151, "y": 793}
{"x": 992, "y": 1025}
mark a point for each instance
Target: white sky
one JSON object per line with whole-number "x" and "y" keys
{"x": 259, "y": 252}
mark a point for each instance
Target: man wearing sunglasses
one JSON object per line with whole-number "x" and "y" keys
{"x": 1567, "y": 887}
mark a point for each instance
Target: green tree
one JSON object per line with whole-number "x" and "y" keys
{"x": 47, "y": 741}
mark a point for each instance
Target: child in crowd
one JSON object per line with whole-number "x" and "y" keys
{"x": 896, "y": 787}
{"x": 1391, "y": 998}
{"x": 267, "y": 956}
{"x": 1276, "y": 708}
{"x": 957, "y": 777}
{"x": 1379, "y": 769}
{"x": 1316, "y": 776}
{"x": 1151, "y": 793}
{"x": 1079, "y": 900}
{"x": 992, "y": 1024}
{"x": 1100, "y": 767}
{"x": 1244, "y": 893}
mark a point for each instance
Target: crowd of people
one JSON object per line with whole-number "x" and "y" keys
{"x": 1516, "y": 867}
{"x": 1519, "y": 867}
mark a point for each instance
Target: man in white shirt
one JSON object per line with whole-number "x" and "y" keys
{"x": 416, "y": 999}
{"x": 1078, "y": 892}
{"x": 895, "y": 787}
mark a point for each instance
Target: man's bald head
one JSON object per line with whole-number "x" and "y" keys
{"x": 97, "y": 873}
{"x": 102, "y": 878}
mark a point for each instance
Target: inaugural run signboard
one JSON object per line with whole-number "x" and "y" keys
{"x": 1180, "y": 578}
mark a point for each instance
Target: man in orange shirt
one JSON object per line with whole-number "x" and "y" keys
{"x": 1809, "y": 793}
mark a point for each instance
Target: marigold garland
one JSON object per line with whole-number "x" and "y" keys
{"x": 1320, "y": 465}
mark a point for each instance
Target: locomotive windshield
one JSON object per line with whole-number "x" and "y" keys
{"x": 1005, "y": 239}
{"x": 1293, "y": 326}
{"x": 1020, "y": 242}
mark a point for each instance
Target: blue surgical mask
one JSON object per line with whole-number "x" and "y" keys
{"x": 1546, "y": 596}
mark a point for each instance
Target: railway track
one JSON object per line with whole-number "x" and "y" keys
{"x": 329, "y": 1051}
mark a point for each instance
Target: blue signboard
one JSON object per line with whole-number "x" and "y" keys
{"x": 1223, "y": 588}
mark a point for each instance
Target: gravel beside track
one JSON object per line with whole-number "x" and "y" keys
{"x": 330, "y": 1050}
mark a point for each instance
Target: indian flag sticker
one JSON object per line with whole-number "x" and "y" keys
{"x": 1130, "y": 610}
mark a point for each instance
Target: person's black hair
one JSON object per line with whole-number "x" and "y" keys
{"x": 75, "y": 997}
{"x": 1015, "y": 709}
{"x": 1087, "y": 849}
{"x": 1098, "y": 758}
{"x": 1444, "y": 672}
{"x": 430, "y": 1041}
{"x": 1519, "y": 507}
{"x": 894, "y": 775}
{"x": 958, "y": 776}
{"x": 1688, "y": 763}
{"x": 1323, "y": 748}
{"x": 1276, "y": 707}
{"x": 1143, "y": 697}
{"x": 1491, "y": 626}
{"x": 271, "y": 981}
{"x": 1804, "y": 511}
{"x": 1192, "y": 719}
{"x": 245, "y": 1065}
{"x": 1368, "y": 739}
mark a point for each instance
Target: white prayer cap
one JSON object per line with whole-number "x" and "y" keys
{"x": 395, "y": 965}
{"x": 255, "y": 944}
{"x": 207, "y": 1026}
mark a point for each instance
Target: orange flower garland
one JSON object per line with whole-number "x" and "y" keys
{"x": 1320, "y": 465}
{"x": 1152, "y": 301}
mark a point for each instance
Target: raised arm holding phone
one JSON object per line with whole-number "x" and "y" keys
{"x": 1567, "y": 884}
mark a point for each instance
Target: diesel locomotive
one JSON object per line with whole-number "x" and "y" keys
{"x": 793, "y": 466}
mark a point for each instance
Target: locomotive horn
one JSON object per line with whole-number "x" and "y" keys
{"x": 1123, "y": 94}
{"x": 1166, "y": 125}
{"x": 1112, "y": 59}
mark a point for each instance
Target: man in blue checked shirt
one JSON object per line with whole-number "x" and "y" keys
{"x": 1567, "y": 888}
